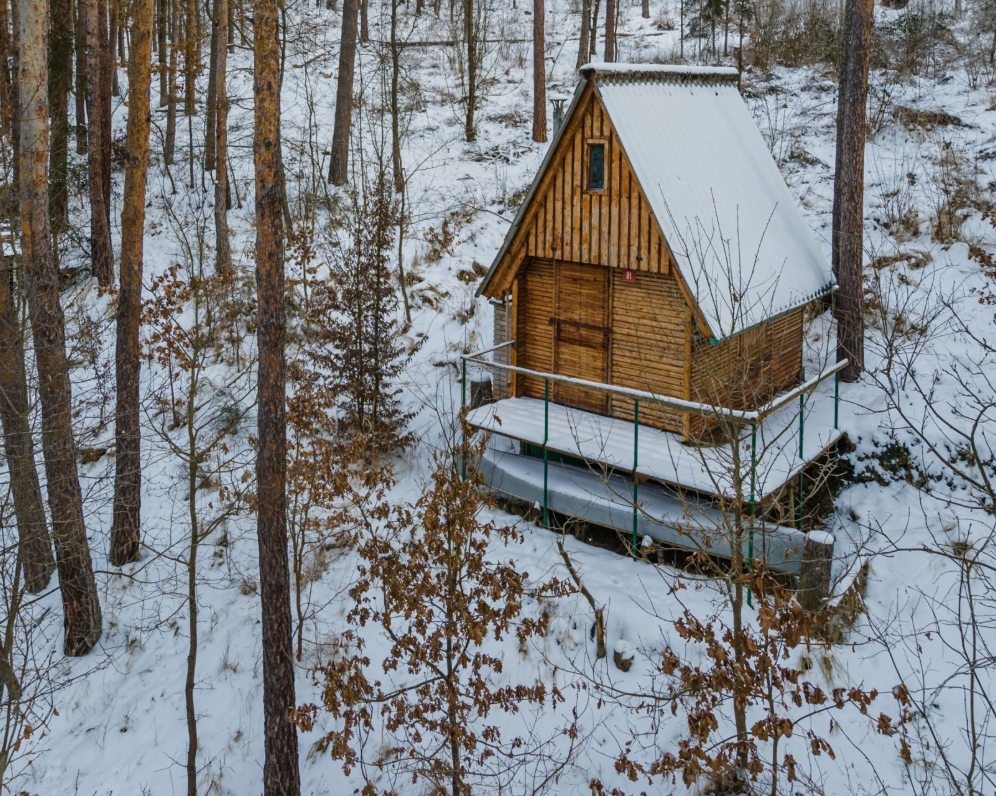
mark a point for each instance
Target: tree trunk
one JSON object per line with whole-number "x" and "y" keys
{"x": 539, "y": 71}
{"x": 584, "y": 46}
{"x": 169, "y": 144}
{"x": 364, "y": 20}
{"x": 99, "y": 140}
{"x": 112, "y": 38}
{"x": 645, "y": 9}
{"x": 191, "y": 678}
{"x": 848, "y": 202}
{"x": 79, "y": 593}
{"x": 60, "y": 83}
{"x": 79, "y": 26}
{"x": 280, "y": 769}
{"x": 470, "y": 41}
{"x": 399, "y": 177}
{"x": 223, "y": 252}
{"x": 211, "y": 107}
{"x": 610, "y": 31}
{"x": 339, "y": 160}
{"x": 162, "y": 28}
{"x": 191, "y": 59}
{"x": 7, "y": 98}
{"x": 34, "y": 544}
{"x": 125, "y": 538}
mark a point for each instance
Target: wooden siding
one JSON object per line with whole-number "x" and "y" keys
{"x": 614, "y": 227}
{"x": 581, "y": 332}
{"x": 750, "y": 369}
{"x": 649, "y": 328}
{"x": 534, "y": 333}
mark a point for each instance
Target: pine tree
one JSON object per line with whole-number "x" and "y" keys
{"x": 365, "y": 354}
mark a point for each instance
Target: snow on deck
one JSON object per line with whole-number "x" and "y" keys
{"x": 665, "y": 457}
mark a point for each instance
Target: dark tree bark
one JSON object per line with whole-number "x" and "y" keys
{"x": 79, "y": 27}
{"x": 79, "y": 593}
{"x": 125, "y": 528}
{"x": 60, "y": 83}
{"x": 364, "y": 20}
{"x": 584, "y": 46}
{"x": 280, "y": 769}
{"x": 162, "y": 30}
{"x": 399, "y": 177}
{"x": 610, "y": 31}
{"x": 339, "y": 159}
{"x": 112, "y": 38}
{"x": 211, "y": 106}
{"x": 471, "y": 44}
{"x": 848, "y": 201}
{"x": 539, "y": 71}
{"x": 98, "y": 56}
{"x": 8, "y": 99}
{"x": 169, "y": 144}
{"x": 645, "y": 9}
{"x": 191, "y": 58}
{"x": 223, "y": 254}
{"x": 34, "y": 544}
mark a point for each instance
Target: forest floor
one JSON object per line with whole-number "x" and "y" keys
{"x": 118, "y": 724}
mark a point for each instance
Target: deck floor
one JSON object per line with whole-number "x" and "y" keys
{"x": 664, "y": 456}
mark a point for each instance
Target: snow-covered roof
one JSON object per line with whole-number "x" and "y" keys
{"x": 739, "y": 239}
{"x": 735, "y": 231}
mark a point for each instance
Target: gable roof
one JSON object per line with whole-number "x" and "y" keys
{"x": 740, "y": 242}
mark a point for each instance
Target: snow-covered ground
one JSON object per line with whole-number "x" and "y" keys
{"x": 115, "y": 722}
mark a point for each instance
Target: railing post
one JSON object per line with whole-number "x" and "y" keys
{"x": 802, "y": 460}
{"x": 546, "y": 439}
{"x": 753, "y": 493}
{"x": 636, "y": 461}
{"x": 836, "y": 400}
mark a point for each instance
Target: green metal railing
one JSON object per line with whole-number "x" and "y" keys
{"x": 752, "y": 417}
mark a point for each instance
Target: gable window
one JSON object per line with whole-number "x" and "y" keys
{"x": 596, "y": 167}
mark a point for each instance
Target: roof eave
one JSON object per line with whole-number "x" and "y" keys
{"x": 826, "y": 291}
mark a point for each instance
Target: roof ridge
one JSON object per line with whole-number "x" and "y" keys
{"x": 624, "y": 72}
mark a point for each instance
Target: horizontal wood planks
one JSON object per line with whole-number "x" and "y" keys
{"x": 649, "y": 326}
{"x": 594, "y": 323}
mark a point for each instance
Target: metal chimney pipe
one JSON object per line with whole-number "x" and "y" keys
{"x": 558, "y": 112}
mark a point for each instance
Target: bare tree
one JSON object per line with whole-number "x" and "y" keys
{"x": 610, "y": 31}
{"x": 539, "y": 71}
{"x": 339, "y": 159}
{"x": 35, "y": 546}
{"x": 98, "y": 69}
{"x": 280, "y": 769}
{"x": 848, "y": 194}
{"x": 76, "y": 582}
{"x": 223, "y": 250}
{"x": 127, "y": 427}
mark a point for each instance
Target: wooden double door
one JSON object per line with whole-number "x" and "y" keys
{"x": 582, "y": 336}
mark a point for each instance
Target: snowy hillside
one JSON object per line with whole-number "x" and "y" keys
{"x": 912, "y": 670}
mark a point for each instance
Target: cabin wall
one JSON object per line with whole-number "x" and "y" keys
{"x": 748, "y": 370}
{"x": 650, "y": 324}
{"x": 534, "y": 333}
{"x": 566, "y": 222}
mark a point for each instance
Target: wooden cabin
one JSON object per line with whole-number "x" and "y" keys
{"x": 659, "y": 249}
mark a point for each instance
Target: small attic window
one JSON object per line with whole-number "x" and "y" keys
{"x": 596, "y": 167}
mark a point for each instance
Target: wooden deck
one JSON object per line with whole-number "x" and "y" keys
{"x": 665, "y": 457}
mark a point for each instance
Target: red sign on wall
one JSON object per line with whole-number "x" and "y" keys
{"x": 629, "y": 275}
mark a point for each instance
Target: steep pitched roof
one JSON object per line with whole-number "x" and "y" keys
{"x": 741, "y": 244}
